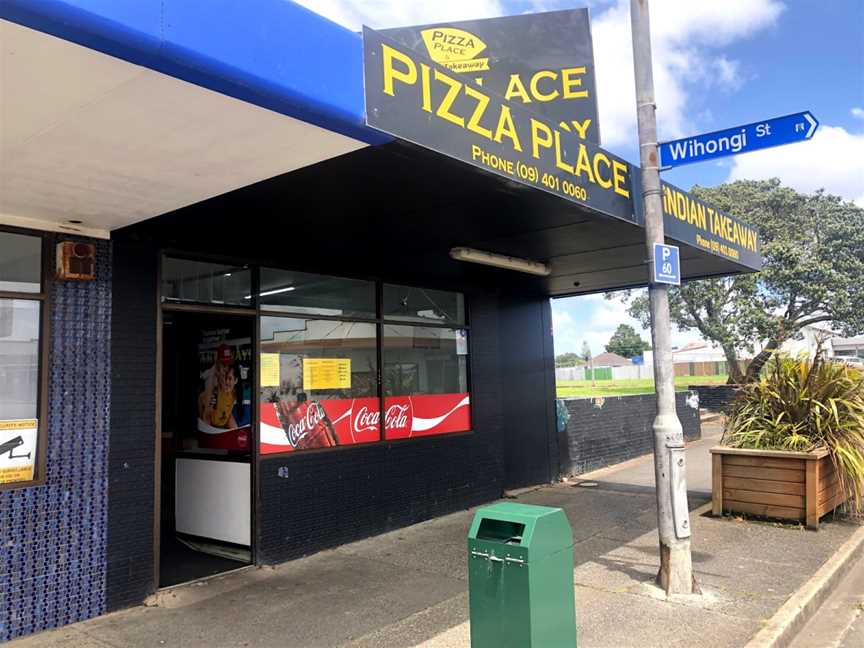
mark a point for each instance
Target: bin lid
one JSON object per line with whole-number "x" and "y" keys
{"x": 542, "y": 530}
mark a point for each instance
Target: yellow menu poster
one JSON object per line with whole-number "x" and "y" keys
{"x": 269, "y": 370}
{"x": 326, "y": 373}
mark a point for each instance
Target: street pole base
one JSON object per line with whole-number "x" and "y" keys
{"x": 676, "y": 570}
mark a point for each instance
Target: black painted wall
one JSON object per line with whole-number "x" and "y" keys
{"x": 605, "y": 431}
{"x": 715, "y": 397}
{"x": 332, "y": 497}
{"x": 327, "y": 498}
{"x": 528, "y": 385}
{"x": 132, "y": 448}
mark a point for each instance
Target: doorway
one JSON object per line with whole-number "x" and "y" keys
{"x": 206, "y": 446}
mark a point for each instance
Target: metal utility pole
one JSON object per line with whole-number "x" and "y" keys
{"x": 673, "y": 517}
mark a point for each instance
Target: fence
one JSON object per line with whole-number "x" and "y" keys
{"x": 626, "y": 372}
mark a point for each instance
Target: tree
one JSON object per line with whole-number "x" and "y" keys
{"x": 813, "y": 272}
{"x": 585, "y": 354}
{"x": 569, "y": 359}
{"x": 625, "y": 341}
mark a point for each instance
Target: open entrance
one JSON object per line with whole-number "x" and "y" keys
{"x": 206, "y": 445}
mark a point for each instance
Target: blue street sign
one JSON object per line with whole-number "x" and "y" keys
{"x": 741, "y": 139}
{"x": 667, "y": 265}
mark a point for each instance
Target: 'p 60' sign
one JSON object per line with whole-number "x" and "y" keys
{"x": 667, "y": 265}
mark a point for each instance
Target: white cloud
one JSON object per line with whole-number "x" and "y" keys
{"x": 684, "y": 37}
{"x": 382, "y": 14}
{"x": 833, "y": 160}
{"x": 857, "y": 112}
{"x": 603, "y": 317}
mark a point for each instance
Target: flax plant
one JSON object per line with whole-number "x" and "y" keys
{"x": 801, "y": 405}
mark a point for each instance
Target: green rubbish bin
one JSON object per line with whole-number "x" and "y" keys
{"x": 520, "y": 578}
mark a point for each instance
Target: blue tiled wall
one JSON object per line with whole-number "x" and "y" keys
{"x": 53, "y": 537}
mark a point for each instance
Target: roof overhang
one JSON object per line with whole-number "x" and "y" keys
{"x": 115, "y": 112}
{"x": 395, "y": 211}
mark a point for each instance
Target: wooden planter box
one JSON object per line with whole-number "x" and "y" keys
{"x": 774, "y": 483}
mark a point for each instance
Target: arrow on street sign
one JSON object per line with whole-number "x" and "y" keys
{"x": 740, "y": 139}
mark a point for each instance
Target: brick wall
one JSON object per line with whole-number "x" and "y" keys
{"x": 53, "y": 537}
{"x": 607, "y": 430}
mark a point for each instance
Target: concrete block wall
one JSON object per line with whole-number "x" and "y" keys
{"x": 607, "y": 430}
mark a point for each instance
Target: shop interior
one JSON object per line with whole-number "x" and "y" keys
{"x": 206, "y": 445}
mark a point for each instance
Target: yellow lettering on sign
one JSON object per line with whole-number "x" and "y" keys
{"x": 535, "y": 91}
{"x": 516, "y": 89}
{"x": 581, "y": 127}
{"x": 619, "y": 178}
{"x": 477, "y": 115}
{"x": 425, "y": 86}
{"x": 538, "y": 128}
{"x": 408, "y": 75}
{"x": 559, "y": 162}
{"x": 570, "y": 80}
{"x": 583, "y": 163}
{"x": 598, "y": 159}
{"x": 506, "y": 128}
{"x": 453, "y": 89}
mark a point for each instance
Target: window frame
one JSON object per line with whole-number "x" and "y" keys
{"x": 44, "y": 355}
{"x": 379, "y": 321}
{"x": 259, "y": 311}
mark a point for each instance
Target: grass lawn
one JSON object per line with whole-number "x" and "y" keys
{"x": 583, "y": 388}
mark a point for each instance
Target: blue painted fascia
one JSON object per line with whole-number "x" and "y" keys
{"x": 271, "y": 53}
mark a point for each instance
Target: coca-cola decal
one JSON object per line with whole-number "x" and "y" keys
{"x": 288, "y": 425}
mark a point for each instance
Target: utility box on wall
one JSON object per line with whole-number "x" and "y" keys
{"x": 76, "y": 261}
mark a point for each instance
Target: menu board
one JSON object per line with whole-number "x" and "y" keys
{"x": 326, "y": 373}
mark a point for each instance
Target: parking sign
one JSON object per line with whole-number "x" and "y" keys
{"x": 667, "y": 264}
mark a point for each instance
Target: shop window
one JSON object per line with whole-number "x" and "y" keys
{"x": 21, "y": 352}
{"x": 319, "y": 384}
{"x": 20, "y": 263}
{"x": 202, "y": 282}
{"x": 408, "y": 304}
{"x": 425, "y": 379}
{"x": 311, "y": 294}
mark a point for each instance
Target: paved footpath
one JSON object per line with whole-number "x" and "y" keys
{"x": 408, "y": 587}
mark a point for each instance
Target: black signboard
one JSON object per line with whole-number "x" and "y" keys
{"x": 409, "y": 96}
{"x": 415, "y": 99}
{"x": 544, "y": 61}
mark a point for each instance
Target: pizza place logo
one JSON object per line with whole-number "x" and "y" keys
{"x": 455, "y": 49}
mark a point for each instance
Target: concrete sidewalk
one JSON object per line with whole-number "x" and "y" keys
{"x": 408, "y": 587}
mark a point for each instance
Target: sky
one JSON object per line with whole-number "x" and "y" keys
{"x": 717, "y": 64}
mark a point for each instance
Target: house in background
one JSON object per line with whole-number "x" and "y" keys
{"x": 610, "y": 360}
{"x": 847, "y": 349}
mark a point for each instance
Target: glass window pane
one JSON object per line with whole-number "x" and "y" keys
{"x": 425, "y": 381}
{"x": 423, "y": 305}
{"x": 319, "y": 384}
{"x": 206, "y": 283}
{"x": 19, "y": 358}
{"x": 300, "y": 292}
{"x": 20, "y": 262}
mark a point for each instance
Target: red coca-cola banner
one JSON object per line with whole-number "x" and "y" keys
{"x": 288, "y": 426}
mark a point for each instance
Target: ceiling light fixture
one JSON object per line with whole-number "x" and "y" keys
{"x": 273, "y": 292}
{"x": 528, "y": 266}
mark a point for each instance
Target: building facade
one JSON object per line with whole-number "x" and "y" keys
{"x": 232, "y": 331}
